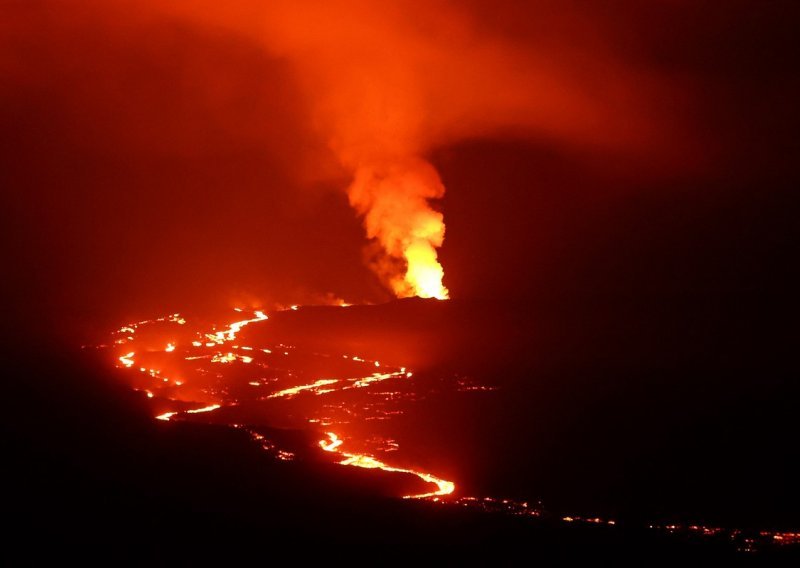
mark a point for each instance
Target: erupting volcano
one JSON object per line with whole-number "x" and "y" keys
{"x": 566, "y": 233}
{"x": 393, "y": 199}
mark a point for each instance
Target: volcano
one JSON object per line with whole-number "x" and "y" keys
{"x": 377, "y": 282}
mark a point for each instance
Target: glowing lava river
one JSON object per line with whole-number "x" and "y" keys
{"x": 357, "y": 410}
{"x": 187, "y": 371}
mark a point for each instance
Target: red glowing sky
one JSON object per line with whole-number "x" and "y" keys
{"x": 160, "y": 157}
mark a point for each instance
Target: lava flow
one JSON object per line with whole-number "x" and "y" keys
{"x": 368, "y": 462}
{"x": 186, "y": 371}
{"x": 190, "y": 372}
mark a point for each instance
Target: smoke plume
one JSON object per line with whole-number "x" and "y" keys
{"x": 384, "y": 84}
{"x": 387, "y": 82}
{"x": 393, "y": 198}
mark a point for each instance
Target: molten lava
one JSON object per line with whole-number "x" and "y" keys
{"x": 194, "y": 355}
{"x": 194, "y": 372}
{"x": 333, "y": 443}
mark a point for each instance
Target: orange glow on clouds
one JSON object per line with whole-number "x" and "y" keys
{"x": 386, "y": 84}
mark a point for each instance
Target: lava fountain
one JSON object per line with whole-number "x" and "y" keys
{"x": 394, "y": 200}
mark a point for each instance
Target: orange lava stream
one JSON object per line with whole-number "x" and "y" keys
{"x": 234, "y": 328}
{"x": 167, "y": 416}
{"x": 312, "y": 387}
{"x": 208, "y": 408}
{"x": 333, "y": 443}
{"x": 428, "y": 283}
{"x": 229, "y": 334}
